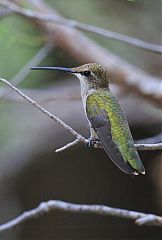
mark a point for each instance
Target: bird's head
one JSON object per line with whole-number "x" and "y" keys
{"x": 92, "y": 74}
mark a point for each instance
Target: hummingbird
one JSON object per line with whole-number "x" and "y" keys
{"x": 107, "y": 121}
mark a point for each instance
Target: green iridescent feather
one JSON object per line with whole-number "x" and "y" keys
{"x": 105, "y": 104}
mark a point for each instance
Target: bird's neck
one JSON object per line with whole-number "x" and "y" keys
{"x": 85, "y": 86}
{"x": 86, "y": 90}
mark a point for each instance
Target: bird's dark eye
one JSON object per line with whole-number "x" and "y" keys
{"x": 85, "y": 73}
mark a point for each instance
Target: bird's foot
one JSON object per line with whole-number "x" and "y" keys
{"x": 93, "y": 142}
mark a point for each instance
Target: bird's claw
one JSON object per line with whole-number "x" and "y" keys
{"x": 92, "y": 142}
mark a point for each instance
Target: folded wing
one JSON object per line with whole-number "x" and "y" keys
{"x": 102, "y": 127}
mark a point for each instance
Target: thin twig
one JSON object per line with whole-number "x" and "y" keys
{"x": 43, "y": 110}
{"x": 67, "y": 146}
{"x": 23, "y": 73}
{"x": 79, "y": 137}
{"x": 45, "y": 207}
{"x": 86, "y": 27}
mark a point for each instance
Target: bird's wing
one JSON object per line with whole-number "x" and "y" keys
{"x": 100, "y": 122}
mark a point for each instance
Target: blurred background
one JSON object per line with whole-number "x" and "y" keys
{"x": 30, "y": 170}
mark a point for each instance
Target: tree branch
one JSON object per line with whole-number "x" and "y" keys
{"x": 155, "y": 146}
{"x": 86, "y": 27}
{"x": 45, "y": 207}
{"x": 67, "y": 146}
{"x": 141, "y": 147}
{"x": 79, "y": 138}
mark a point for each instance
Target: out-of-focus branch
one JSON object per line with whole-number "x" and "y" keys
{"x": 86, "y": 27}
{"x": 67, "y": 92}
{"x": 79, "y": 138}
{"x": 5, "y": 11}
{"x": 20, "y": 76}
{"x": 47, "y": 95}
{"x": 117, "y": 36}
{"x": 52, "y": 205}
{"x": 85, "y": 50}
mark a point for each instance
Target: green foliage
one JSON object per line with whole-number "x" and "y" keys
{"x": 19, "y": 41}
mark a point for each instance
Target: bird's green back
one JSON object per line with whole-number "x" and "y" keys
{"x": 105, "y": 100}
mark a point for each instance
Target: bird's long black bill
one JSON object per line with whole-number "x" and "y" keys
{"x": 69, "y": 70}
